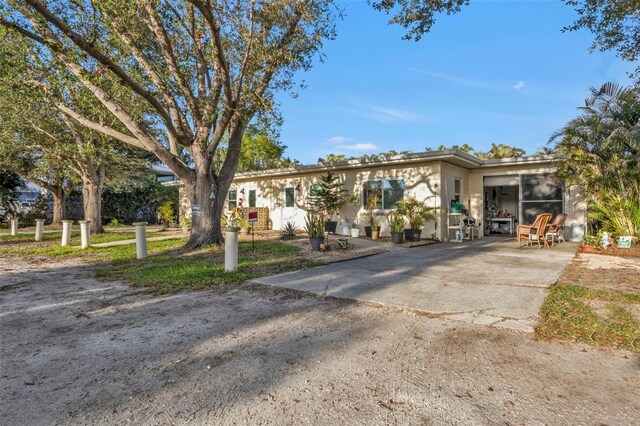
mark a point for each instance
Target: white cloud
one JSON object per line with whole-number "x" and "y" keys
{"x": 339, "y": 139}
{"x": 519, "y": 85}
{"x": 359, "y": 147}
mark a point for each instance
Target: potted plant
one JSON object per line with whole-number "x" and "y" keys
{"x": 328, "y": 199}
{"x": 355, "y": 230}
{"x": 395, "y": 219}
{"x": 372, "y": 204}
{"x": 244, "y": 224}
{"x": 185, "y": 222}
{"x": 375, "y": 228}
{"x": 417, "y": 213}
{"x": 314, "y": 225}
{"x": 354, "y": 200}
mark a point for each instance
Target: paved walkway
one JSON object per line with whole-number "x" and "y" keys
{"x": 487, "y": 281}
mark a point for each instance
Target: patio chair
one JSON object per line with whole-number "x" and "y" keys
{"x": 555, "y": 228}
{"x": 534, "y": 232}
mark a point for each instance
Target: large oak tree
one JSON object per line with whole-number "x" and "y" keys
{"x": 202, "y": 68}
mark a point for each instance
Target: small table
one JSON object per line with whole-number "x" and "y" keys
{"x": 508, "y": 220}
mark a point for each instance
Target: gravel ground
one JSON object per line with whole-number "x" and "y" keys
{"x": 74, "y": 350}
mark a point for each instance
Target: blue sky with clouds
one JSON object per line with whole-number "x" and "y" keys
{"x": 499, "y": 71}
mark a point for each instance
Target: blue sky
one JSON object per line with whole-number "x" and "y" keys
{"x": 499, "y": 71}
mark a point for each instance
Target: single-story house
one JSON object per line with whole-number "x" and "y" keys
{"x": 498, "y": 193}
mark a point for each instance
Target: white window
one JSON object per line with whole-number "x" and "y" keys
{"x": 232, "y": 199}
{"x": 389, "y": 192}
{"x": 457, "y": 189}
{"x": 289, "y": 197}
{"x": 252, "y": 198}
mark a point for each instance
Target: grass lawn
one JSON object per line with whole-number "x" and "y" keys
{"x": 106, "y": 237}
{"x": 594, "y": 316}
{"x": 165, "y": 273}
{"x": 50, "y": 247}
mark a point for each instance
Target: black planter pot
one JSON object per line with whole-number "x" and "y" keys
{"x": 330, "y": 226}
{"x": 315, "y": 243}
{"x": 412, "y": 234}
{"x": 396, "y": 237}
{"x": 367, "y": 231}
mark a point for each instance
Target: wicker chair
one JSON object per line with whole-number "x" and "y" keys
{"x": 535, "y": 232}
{"x": 554, "y": 229}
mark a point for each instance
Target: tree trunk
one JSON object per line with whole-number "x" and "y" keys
{"x": 92, "y": 202}
{"x": 59, "y": 197}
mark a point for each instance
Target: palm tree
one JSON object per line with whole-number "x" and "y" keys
{"x": 599, "y": 151}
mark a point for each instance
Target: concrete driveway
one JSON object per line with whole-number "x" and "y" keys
{"x": 487, "y": 281}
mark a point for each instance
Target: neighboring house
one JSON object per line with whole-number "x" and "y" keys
{"x": 521, "y": 187}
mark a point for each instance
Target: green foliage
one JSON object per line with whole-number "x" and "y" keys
{"x": 416, "y": 212}
{"x": 600, "y": 151}
{"x": 10, "y": 183}
{"x": 138, "y": 202}
{"x": 314, "y": 224}
{"x": 396, "y": 222}
{"x": 615, "y": 24}
{"x": 115, "y": 224}
{"x": 565, "y": 314}
{"x": 372, "y": 204}
{"x": 330, "y": 196}
{"x": 166, "y": 212}
{"x": 261, "y": 150}
{"x": 417, "y": 16}
{"x": 164, "y": 274}
{"x": 177, "y": 79}
{"x": 337, "y": 158}
{"x": 288, "y": 232}
{"x": 500, "y": 151}
{"x": 592, "y": 240}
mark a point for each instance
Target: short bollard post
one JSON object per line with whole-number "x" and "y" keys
{"x": 66, "y": 232}
{"x": 85, "y": 233}
{"x": 14, "y": 226}
{"x": 141, "y": 239}
{"x": 39, "y": 229}
{"x": 231, "y": 249}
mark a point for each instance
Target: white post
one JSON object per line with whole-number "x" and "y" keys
{"x": 39, "y": 229}
{"x": 66, "y": 232}
{"x": 14, "y": 226}
{"x": 230, "y": 250}
{"x": 141, "y": 239}
{"x": 85, "y": 233}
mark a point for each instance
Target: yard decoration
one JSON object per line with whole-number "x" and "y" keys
{"x": 315, "y": 227}
{"x": 395, "y": 219}
{"x": 417, "y": 213}
{"x": 328, "y": 199}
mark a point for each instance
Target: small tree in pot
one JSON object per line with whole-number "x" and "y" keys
{"x": 373, "y": 229}
{"x": 354, "y": 200}
{"x": 395, "y": 219}
{"x": 314, "y": 225}
{"x": 329, "y": 198}
{"x": 417, "y": 213}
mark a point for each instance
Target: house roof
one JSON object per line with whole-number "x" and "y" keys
{"x": 451, "y": 156}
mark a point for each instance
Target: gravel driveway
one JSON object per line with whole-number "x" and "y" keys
{"x": 79, "y": 351}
